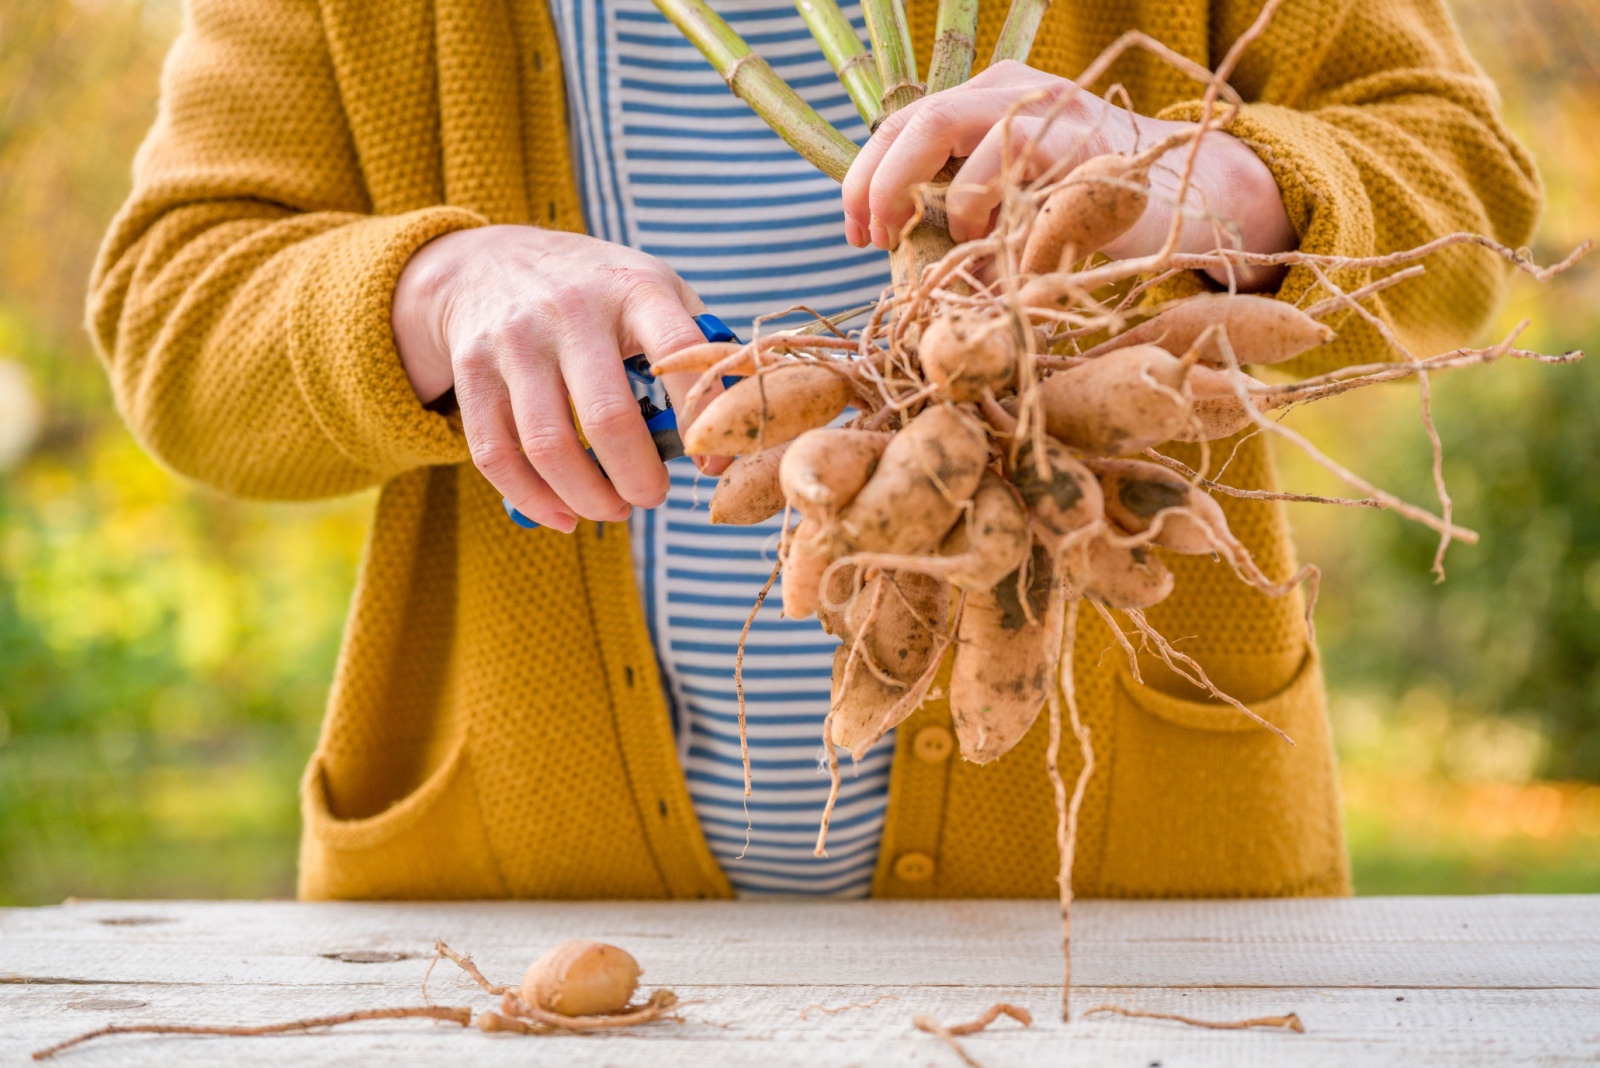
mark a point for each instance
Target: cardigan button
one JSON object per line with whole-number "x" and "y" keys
{"x": 933, "y": 745}
{"x": 913, "y": 867}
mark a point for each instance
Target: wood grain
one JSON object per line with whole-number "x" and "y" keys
{"x": 1415, "y": 981}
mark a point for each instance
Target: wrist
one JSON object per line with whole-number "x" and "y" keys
{"x": 417, "y": 318}
{"x": 1247, "y": 192}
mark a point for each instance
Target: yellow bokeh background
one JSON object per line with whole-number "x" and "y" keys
{"x": 165, "y": 651}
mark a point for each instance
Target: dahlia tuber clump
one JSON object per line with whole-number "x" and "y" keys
{"x": 1006, "y": 408}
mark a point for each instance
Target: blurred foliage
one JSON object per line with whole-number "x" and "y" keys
{"x": 1514, "y": 632}
{"x": 165, "y": 652}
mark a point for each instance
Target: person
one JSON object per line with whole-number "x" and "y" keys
{"x": 410, "y": 245}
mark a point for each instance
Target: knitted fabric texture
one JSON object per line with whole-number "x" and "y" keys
{"x": 496, "y": 726}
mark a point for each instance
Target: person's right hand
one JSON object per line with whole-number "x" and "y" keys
{"x": 519, "y": 320}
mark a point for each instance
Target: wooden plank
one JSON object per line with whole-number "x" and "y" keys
{"x": 1452, "y": 981}
{"x": 742, "y": 1025}
{"x": 1506, "y": 942}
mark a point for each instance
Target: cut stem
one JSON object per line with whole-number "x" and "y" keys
{"x": 850, "y": 61}
{"x": 891, "y": 46}
{"x": 955, "y": 42}
{"x": 1021, "y": 26}
{"x": 758, "y": 85}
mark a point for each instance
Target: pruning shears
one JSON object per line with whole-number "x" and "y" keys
{"x": 661, "y": 422}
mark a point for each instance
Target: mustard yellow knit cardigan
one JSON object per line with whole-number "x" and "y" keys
{"x": 496, "y": 726}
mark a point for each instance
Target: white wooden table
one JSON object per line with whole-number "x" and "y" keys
{"x": 1377, "y": 981}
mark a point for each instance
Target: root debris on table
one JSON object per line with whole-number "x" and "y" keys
{"x": 1288, "y": 1022}
{"x": 948, "y": 1033}
{"x": 572, "y": 974}
{"x": 459, "y": 1015}
{"x": 805, "y": 1013}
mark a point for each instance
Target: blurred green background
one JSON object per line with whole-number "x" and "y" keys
{"x": 164, "y": 651}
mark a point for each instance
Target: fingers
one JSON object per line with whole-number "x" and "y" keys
{"x": 1010, "y": 72}
{"x": 547, "y": 358}
{"x": 713, "y": 465}
{"x": 975, "y": 191}
{"x": 658, "y": 321}
{"x": 492, "y": 438}
{"x": 658, "y": 333}
{"x": 654, "y": 315}
{"x": 550, "y": 443}
{"x": 910, "y": 148}
{"x": 590, "y": 356}
{"x": 912, "y": 145}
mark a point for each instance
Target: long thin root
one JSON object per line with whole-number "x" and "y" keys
{"x": 1288, "y": 1022}
{"x": 458, "y": 1015}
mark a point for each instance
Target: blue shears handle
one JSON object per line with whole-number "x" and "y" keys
{"x": 661, "y": 422}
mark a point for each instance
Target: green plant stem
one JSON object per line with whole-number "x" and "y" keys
{"x": 929, "y": 240}
{"x": 849, "y": 60}
{"x": 891, "y": 46}
{"x": 1022, "y": 25}
{"x": 754, "y": 82}
{"x": 808, "y": 133}
{"x": 954, "y": 43}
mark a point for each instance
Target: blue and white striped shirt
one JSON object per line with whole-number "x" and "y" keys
{"x": 669, "y": 161}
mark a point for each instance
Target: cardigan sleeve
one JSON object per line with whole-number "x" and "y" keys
{"x": 241, "y": 300}
{"x": 1383, "y": 134}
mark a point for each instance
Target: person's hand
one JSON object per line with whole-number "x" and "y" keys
{"x": 528, "y": 324}
{"x": 911, "y": 146}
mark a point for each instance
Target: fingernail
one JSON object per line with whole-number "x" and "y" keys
{"x": 852, "y": 232}
{"x": 565, "y": 523}
{"x": 880, "y": 236}
{"x": 627, "y": 511}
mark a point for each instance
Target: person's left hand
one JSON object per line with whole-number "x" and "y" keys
{"x": 1230, "y": 182}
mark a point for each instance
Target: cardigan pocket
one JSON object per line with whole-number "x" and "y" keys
{"x": 428, "y": 845}
{"x": 1204, "y": 802}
